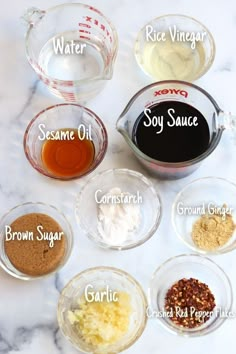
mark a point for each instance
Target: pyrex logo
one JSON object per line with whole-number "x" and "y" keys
{"x": 172, "y": 92}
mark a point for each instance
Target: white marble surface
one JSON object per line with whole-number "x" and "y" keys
{"x": 28, "y": 310}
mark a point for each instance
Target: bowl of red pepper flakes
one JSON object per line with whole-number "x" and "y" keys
{"x": 190, "y": 295}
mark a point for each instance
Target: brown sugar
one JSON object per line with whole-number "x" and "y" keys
{"x": 33, "y": 254}
{"x": 211, "y": 232}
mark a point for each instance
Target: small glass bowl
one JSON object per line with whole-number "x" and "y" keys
{"x": 100, "y": 277}
{"x": 185, "y": 24}
{"x": 212, "y": 191}
{"x": 28, "y": 208}
{"x": 61, "y": 116}
{"x": 202, "y": 269}
{"x": 128, "y": 181}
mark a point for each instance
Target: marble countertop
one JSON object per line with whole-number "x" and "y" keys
{"x": 28, "y": 309}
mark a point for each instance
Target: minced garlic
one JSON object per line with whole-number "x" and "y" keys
{"x": 100, "y": 324}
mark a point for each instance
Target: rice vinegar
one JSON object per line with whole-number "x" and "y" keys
{"x": 165, "y": 60}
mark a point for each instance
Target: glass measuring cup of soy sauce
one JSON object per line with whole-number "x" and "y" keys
{"x": 172, "y": 126}
{"x": 72, "y": 47}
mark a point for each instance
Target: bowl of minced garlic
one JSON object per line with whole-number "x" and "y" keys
{"x": 204, "y": 215}
{"x": 102, "y": 310}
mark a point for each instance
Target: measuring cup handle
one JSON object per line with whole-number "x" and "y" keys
{"x": 229, "y": 123}
{"x": 33, "y": 15}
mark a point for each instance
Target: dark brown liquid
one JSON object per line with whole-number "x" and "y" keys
{"x": 176, "y": 143}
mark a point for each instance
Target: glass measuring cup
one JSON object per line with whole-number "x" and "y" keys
{"x": 181, "y": 91}
{"x": 72, "y": 48}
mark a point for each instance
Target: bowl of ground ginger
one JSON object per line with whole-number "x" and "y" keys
{"x": 102, "y": 310}
{"x": 35, "y": 241}
{"x": 204, "y": 215}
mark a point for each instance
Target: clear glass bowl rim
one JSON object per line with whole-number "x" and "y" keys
{"x": 188, "y": 332}
{"x": 71, "y": 236}
{"x": 112, "y": 270}
{"x": 137, "y": 175}
{"x": 99, "y": 158}
{"x": 191, "y": 19}
{"x": 193, "y": 248}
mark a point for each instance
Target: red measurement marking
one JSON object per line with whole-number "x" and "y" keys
{"x": 88, "y": 19}
{"x": 95, "y": 10}
{"x": 69, "y": 83}
{"x": 46, "y": 81}
{"x": 85, "y": 37}
{"x": 84, "y": 25}
{"x": 83, "y": 31}
{"x": 68, "y": 96}
{"x": 96, "y": 23}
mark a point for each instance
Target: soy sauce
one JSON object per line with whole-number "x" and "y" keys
{"x": 174, "y": 143}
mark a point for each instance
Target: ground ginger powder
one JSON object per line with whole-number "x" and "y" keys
{"x": 211, "y": 232}
{"x": 100, "y": 324}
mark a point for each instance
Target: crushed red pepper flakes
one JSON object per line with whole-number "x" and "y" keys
{"x": 190, "y": 302}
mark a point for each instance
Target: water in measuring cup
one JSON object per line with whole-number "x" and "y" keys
{"x": 89, "y": 63}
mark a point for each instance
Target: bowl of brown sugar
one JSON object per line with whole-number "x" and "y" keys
{"x": 35, "y": 241}
{"x": 204, "y": 215}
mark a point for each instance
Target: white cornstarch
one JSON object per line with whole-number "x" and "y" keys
{"x": 118, "y": 221}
